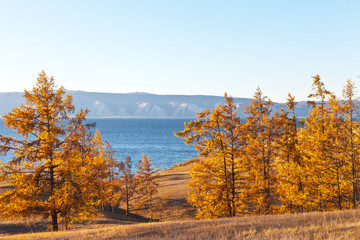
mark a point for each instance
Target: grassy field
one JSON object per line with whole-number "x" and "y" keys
{"x": 172, "y": 183}
{"x": 329, "y": 225}
{"x": 176, "y": 222}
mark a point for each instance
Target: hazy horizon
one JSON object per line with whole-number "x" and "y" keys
{"x": 149, "y": 93}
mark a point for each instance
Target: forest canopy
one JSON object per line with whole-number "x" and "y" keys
{"x": 273, "y": 162}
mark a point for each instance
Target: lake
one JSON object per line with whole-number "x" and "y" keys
{"x": 133, "y": 136}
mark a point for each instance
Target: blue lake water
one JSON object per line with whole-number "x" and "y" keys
{"x": 134, "y": 136}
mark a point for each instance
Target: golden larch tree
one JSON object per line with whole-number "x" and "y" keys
{"x": 351, "y": 144}
{"x": 127, "y": 183}
{"x": 289, "y": 164}
{"x": 57, "y": 164}
{"x": 312, "y": 144}
{"x": 147, "y": 184}
{"x": 319, "y": 140}
{"x": 261, "y": 133}
{"x": 217, "y": 175}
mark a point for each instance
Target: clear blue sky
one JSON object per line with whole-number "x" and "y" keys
{"x": 181, "y": 47}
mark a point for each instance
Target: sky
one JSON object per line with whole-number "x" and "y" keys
{"x": 181, "y": 47}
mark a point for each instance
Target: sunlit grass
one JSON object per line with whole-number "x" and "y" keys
{"x": 317, "y": 225}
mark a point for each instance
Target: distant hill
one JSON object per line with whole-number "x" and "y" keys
{"x": 142, "y": 104}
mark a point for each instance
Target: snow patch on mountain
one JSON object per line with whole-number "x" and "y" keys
{"x": 149, "y": 110}
{"x": 101, "y": 109}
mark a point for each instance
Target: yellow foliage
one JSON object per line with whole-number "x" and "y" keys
{"x": 59, "y": 170}
{"x": 217, "y": 175}
{"x": 270, "y": 164}
{"x": 127, "y": 183}
{"x": 147, "y": 183}
{"x": 261, "y": 133}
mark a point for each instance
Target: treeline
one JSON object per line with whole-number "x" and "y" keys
{"x": 60, "y": 169}
{"x": 273, "y": 163}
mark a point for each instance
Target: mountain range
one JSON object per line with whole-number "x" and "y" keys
{"x": 140, "y": 104}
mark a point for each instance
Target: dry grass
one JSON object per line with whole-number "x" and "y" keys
{"x": 329, "y": 225}
{"x": 172, "y": 183}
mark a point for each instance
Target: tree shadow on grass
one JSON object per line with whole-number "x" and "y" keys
{"x": 21, "y": 227}
{"x": 118, "y": 216}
